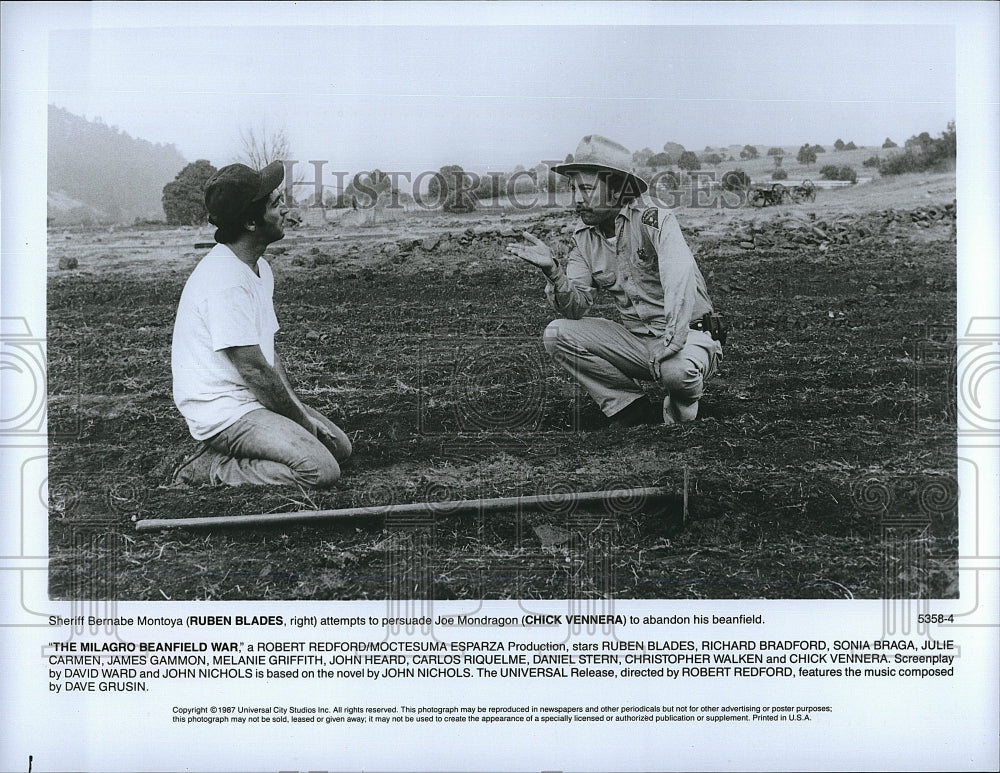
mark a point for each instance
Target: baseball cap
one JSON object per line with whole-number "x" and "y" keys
{"x": 233, "y": 188}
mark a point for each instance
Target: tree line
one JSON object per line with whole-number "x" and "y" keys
{"x": 456, "y": 190}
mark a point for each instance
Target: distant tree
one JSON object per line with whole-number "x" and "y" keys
{"x": 660, "y": 159}
{"x": 559, "y": 182}
{"x": 546, "y": 179}
{"x": 947, "y": 144}
{"x": 184, "y": 197}
{"x": 674, "y": 150}
{"x": 735, "y": 180}
{"x": 666, "y": 181}
{"x": 259, "y": 146}
{"x": 775, "y": 152}
{"x": 806, "y": 155}
{"x": 451, "y": 185}
{"x": 838, "y": 145}
{"x": 521, "y": 181}
{"x": 365, "y": 188}
{"x": 819, "y": 148}
{"x": 872, "y": 161}
{"x": 641, "y": 157}
{"x": 923, "y": 152}
{"x": 713, "y": 159}
{"x": 491, "y": 186}
{"x": 749, "y": 152}
{"x": 689, "y": 161}
{"x": 333, "y": 200}
{"x": 889, "y": 144}
{"x": 922, "y": 141}
{"x": 568, "y": 159}
{"x": 850, "y": 146}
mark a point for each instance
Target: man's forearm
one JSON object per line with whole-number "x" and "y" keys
{"x": 279, "y": 367}
{"x": 274, "y": 393}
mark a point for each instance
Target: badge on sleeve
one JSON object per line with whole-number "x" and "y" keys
{"x": 651, "y": 217}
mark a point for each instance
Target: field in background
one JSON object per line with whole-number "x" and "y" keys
{"x": 823, "y": 467}
{"x": 760, "y": 168}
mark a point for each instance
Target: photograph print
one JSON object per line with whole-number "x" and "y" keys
{"x": 502, "y": 312}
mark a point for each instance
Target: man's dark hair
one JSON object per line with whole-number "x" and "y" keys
{"x": 228, "y": 232}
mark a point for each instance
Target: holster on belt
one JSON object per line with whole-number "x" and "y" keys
{"x": 713, "y": 323}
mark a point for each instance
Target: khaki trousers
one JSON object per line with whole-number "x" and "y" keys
{"x": 608, "y": 360}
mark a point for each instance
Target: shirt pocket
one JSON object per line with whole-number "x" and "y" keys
{"x": 605, "y": 279}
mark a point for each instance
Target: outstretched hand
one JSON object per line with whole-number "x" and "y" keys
{"x": 535, "y": 252}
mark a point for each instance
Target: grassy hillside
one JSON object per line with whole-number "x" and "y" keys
{"x": 760, "y": 168}
{"x": 99, "y": 174}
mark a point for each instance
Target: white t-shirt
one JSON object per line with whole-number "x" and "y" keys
{"x": 224, "y": 304}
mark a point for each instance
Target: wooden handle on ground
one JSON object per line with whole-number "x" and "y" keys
{"x": 454, "y": 507}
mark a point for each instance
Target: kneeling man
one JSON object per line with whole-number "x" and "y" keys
{"x": 228, "y": 380}
{"x": 634, "y": 251}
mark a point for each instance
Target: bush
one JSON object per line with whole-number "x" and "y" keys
{"x": 333, "y": 200}
{"x": 833, "y": 172}
{"x": 735, "y": 180}
{"x": 775, "y": 152}
{"x": 889, "y": 144}
{"x": 451, "y": 183}
{"x": 689, "y": 161}
{"x": 366, "y": 187}
{"x": 639, "y": 157}
{"x": 184, "y": 198}
{"x": 872, "y": 161}
{"x": 459, "y": 202}
{"x": 806, "y": 154}
{"x": 665, "y": 181}
{"x": 920, "y": 141}
{"x": 713, "y": 159}
{"x": 779, "y": 174}
{"x": 924, "y": 153}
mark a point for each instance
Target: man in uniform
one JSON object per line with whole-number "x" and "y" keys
{"x": 228, "y": 380}
{"x": 635, "y": 251}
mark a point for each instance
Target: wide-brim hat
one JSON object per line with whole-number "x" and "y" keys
{"x": 596, "y": 154}
{"x": 230, "y": 191}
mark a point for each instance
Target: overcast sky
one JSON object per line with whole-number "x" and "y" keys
{"x": 488, "y": 97}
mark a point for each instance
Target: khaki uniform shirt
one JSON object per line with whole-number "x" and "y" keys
{"x": 649, "y": 271}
